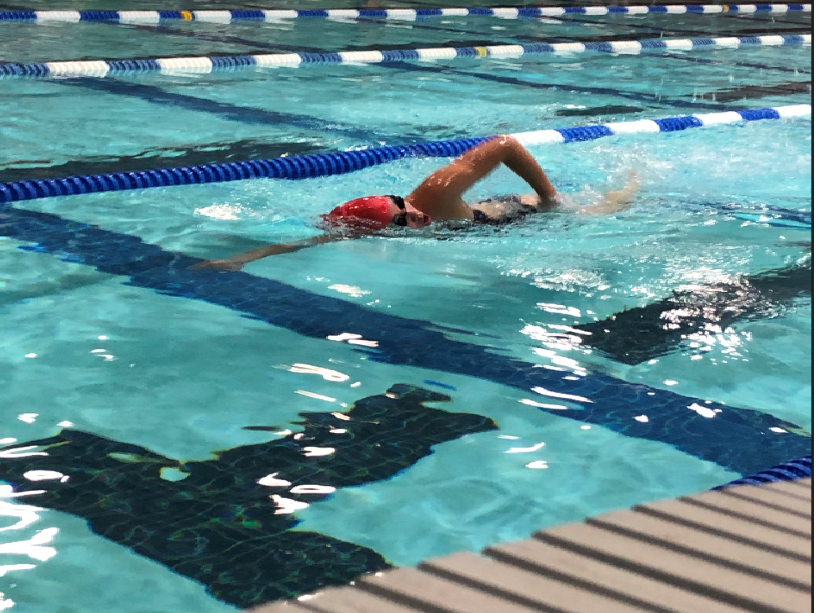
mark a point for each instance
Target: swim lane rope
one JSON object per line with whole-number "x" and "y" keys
{"x": 206, "y": 64}
{"x": 328, "y": 164}
{"x": 227, "y": 16}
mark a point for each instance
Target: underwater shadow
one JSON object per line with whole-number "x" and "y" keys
{"x": 229, "y": 522}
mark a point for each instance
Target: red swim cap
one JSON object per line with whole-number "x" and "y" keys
{"x": 370, "y": 211}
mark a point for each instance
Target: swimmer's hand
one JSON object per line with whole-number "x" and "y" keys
{"x": 545, "y": 203}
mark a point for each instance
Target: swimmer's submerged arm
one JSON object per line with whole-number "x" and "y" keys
{"x": 614, "y": 200}
{"x": 439, "y": 195}
{"x": 237, "y": 261}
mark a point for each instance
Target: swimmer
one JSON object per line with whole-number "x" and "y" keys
{"x": 439, "y": 199}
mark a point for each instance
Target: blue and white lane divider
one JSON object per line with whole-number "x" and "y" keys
{"x": 328, "y": 164}
{"x": 227, "y": 16}
{"x": 205, "y": 64}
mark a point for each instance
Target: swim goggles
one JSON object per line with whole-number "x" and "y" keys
{"x": 401, "y": 218}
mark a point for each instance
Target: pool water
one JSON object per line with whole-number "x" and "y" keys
{"x": 205, "y": 441}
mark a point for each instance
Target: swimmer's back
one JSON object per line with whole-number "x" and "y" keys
{"x": 504, "y": 209}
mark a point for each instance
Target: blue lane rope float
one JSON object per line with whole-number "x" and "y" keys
{"x": 789, "y": 471}
{"x": 228, "y": 16}
{"x": 328, "y": 164}
{"x": 205, "y": 64}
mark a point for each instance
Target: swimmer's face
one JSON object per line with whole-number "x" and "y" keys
{"x": 410, "y": 217}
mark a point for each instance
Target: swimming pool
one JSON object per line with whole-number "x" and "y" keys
{"x": 399, "y": 397}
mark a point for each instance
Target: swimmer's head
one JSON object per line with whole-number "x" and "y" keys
{"x": 378, "y": 212}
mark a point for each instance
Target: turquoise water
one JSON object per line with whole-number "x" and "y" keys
{"x": 183, "y": 379}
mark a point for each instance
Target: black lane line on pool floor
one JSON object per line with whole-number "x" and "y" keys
{"x": 221, "y": 152}
{"x": 512, "y": 38}
{"x": 217, "y": 38}
{"x": 702, "y": 60}
{"x": 423, "y": 24}
{"x": 215, "y": 523}
{"x": 740, "y": 440}
{"x": 257, "y": 46}
{"x": 248, "y": 115}
{"x": 504, "y": 40}
{"x": 662, "y": 32}
{"x": 232, "y": 112}
{"x": 774, "y": 18}
{"x": 646, "y": 98}
{"x": 209, "y": 153}
{"x": 643, "y": 333}
{"x": 708, "y": 101}
{"x": 251, "y": 44}
{"x": 155, "y": 94}
{"x": 149, "y": 159}
{"x": 251, "y": 115}
{"x": 747, "y": 92}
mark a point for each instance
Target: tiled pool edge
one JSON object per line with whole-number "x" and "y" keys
{"x": 745, "y": 548}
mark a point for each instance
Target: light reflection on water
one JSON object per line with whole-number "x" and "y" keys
{"x": 37, "y": 546}
{"x": 326, "y": 373}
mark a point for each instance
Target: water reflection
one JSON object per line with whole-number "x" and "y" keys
{"x": 326, "y": 373}
{"x": 5, "y": 568}
{"x": 229, "y": 522}
{"x": 36, "y": 547}
{"x": 26, "y": 515}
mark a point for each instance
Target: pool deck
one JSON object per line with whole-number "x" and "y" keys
{"x": 741, "y": 549}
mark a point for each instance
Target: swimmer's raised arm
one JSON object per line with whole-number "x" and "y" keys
{"x": 439, "y": 195}
{"x": 237, "y": 261}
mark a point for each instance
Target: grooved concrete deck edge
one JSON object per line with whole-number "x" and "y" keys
{"x": 706, "y": 553}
